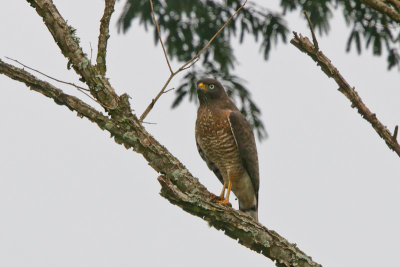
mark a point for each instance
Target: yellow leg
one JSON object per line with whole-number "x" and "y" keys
{"x": 225, "y": 201}
{"x": 222, "y": 195}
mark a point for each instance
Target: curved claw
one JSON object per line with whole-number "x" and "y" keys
{"x": 215, "y": 198}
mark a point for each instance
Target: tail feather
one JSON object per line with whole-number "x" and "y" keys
{"x": 253, "y": 211}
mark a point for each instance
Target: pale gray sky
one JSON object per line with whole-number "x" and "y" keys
{"x": 70, "y": 196}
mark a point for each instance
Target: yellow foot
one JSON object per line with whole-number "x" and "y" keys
{"x": 224, "y": 202}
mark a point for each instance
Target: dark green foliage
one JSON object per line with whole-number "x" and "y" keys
{"x": 319, "y": 11}
{"x": 377, "y": 30}
{"x": 187, "y": 25}
{"x": 393, "y": 58}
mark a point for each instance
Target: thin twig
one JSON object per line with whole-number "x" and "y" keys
{"x": 83, "y": 92}
{"x": 215, "y": 35}
{"x": 104, "y": 35}
{"x": 49, "y": 90}
{"x": 159, "y": 36}
{"x": 147, "y": 122}
{"x": 304, "y": 45}
{"x": 188, "y": 64}
{"x": 48, "y": 76}
{"x": 80, "y": 89}
{"x": 314, "y": 38}
{"x": 154, "y": 100}
{"x": 191, "y": 64}
{"x": 91, "y": 52}
{"x": 170, "y": 89}
{"x": 396, "y": 129}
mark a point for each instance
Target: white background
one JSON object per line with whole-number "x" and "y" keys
{"x": 70, "y": 196}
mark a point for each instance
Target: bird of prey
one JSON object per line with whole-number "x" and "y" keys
{"x": 226, "y": 143}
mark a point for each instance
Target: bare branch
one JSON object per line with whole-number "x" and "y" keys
{"x": 383, "y": 8}
{"x": 68, "y": 42}
{"x": 396, "y": 129}
{"x": 48, "y": 76}
{"x": 150, "y": 123}
{"x": 191, "y": 64}
{"x": 103, "y": 36}
{"x": 154, "y": 100}
{"x": 188, "y": 64}
{"x": 304, "y": 45}
{"x": 159, "y": 36}
{"x": 314, "y": 38}
{"x": 212, "y": 39}
{"x": 169, "y": 90}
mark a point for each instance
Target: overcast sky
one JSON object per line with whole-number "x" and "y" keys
{"x": 70, "y": 196}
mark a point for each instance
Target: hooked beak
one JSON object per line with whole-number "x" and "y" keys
{"x": 202, "y": 86}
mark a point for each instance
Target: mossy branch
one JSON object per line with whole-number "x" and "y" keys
{"x": 66, "y": 39}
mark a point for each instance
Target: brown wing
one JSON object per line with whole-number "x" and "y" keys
{"x": 245, "y": 141}
{"x": 210, "y": 164}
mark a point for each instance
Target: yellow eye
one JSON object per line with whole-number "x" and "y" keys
{"x": 211, "y": 86}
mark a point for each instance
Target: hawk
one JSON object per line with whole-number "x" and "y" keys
{"x": 225, "y": 141}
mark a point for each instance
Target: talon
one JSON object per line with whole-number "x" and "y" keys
{"x": 215, "y": 198}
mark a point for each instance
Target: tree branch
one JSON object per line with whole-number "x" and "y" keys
{"x": 178, "y": 185}
{"x": 49, "y": 90}
{"x": 238, "y": 225}
{"x": 68, "y": 42}
{"x": 188, "y": 64}
{"x": 103, "y": 36}
{"x": 314, "y": 38}
{"x": 304, "y": 45}
{"x": 383, "y": 8}
{"x": 159, "y": 36}
{"x": 396, "y": 129}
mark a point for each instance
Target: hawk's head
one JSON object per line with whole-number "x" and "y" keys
{"x": 209, "y": 89}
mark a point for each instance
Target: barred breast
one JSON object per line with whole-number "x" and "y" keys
{"x": 215, "y": 137}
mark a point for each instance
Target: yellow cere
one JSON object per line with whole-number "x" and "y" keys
{"x": 202, "y": 86}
